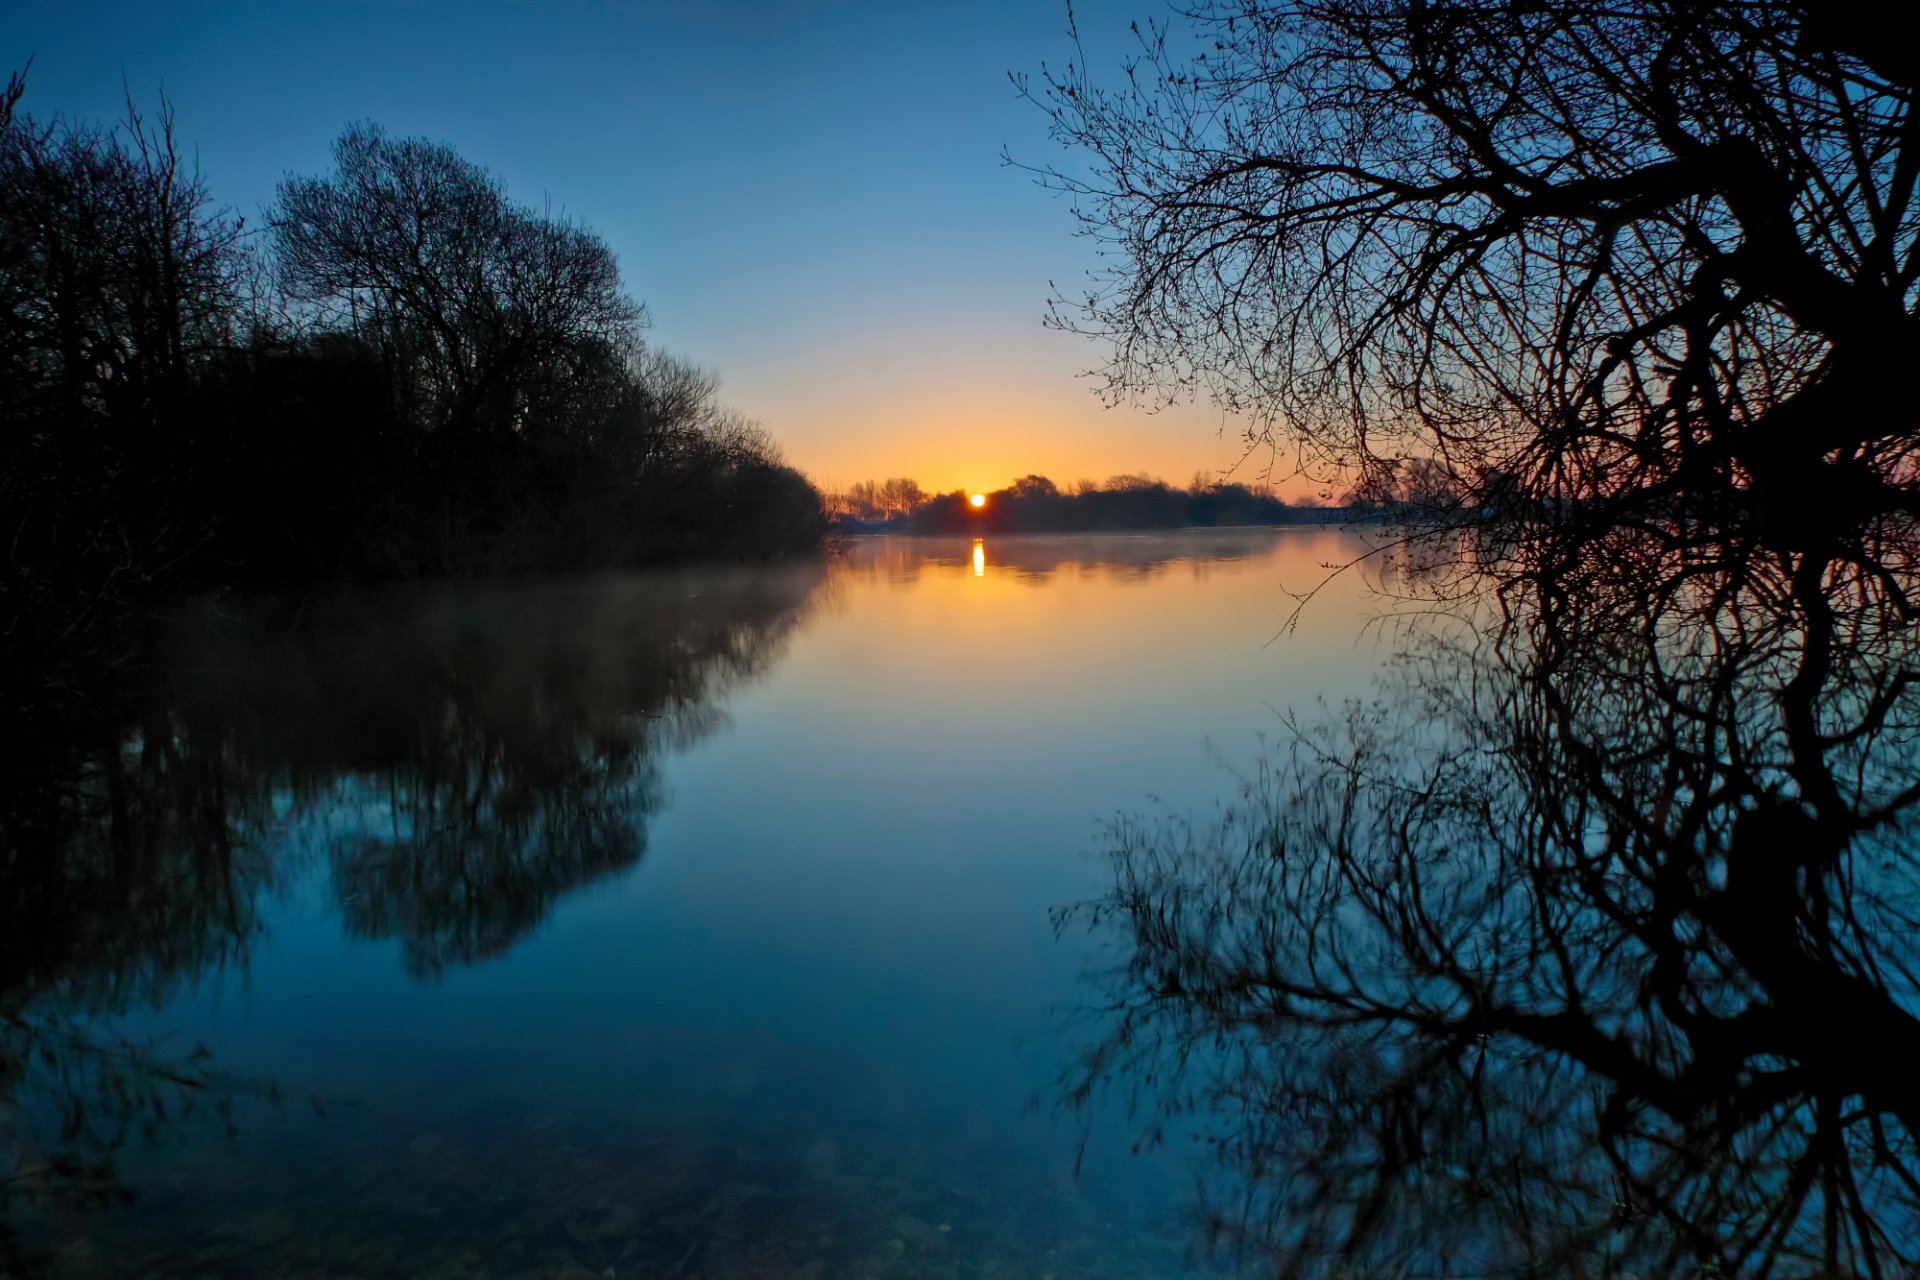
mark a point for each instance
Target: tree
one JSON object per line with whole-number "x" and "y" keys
{"x": 901, "y": 496}
{"x": 120, "y": 298}
{"x": 118, "y": 278}
{"x": 1636, "y": 254}
{"x": 1584, "y": 949}
{"x": 892, "y": 499}
{"x": 862, "y": 500}
{"x": 492, "y": 314}
{"x": 11, "y": 95}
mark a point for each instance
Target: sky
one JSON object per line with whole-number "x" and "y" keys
{"x": 808, "y": 195}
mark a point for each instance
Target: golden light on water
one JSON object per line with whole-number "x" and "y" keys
{"x": 979, "y": 558}
{"x": 978, "y": 499}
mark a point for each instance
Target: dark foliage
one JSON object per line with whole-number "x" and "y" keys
{"x": 410, "y": 376}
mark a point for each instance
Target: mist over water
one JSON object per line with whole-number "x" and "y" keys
{"x": 694, "y": 923}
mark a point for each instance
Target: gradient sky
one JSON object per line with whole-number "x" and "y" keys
{"x": 808, "y": 195}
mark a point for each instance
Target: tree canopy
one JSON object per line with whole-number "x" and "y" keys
{"x": 486, "y": 302}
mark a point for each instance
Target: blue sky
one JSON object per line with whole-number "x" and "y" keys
{"x": 808, "y": 195}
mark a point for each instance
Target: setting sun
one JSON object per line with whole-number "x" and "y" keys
{"x": 978, "y": 499}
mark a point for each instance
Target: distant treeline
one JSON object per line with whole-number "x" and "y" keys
{"x": 402, "y": 373}
{"x": 1035, "y": 504}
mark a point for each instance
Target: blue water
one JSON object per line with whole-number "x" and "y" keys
{"x": 799, "y": 1008}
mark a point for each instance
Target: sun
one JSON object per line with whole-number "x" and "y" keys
{"x": 978, "y": 499}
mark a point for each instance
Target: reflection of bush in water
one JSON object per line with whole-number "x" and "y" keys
{"x": 459, "y": 757}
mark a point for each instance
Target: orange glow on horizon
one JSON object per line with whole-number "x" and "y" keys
{"x": 959, "y": 404}
{"x": 937, "y": 472}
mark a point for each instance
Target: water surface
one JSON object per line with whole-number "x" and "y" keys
{"x": 692, "y": 924}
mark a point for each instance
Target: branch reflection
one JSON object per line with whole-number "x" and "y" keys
{"x": 1588, "y": 948}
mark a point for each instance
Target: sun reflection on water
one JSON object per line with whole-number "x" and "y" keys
{"x": 979, "y": 558}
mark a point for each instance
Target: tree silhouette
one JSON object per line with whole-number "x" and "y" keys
{"x": 1584, "y": 950}
{"x": 483, "y": 308}
{"x": 121, "y": 293}
{"x": 1630, "y": 254}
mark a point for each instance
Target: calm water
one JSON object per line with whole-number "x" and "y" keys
{"x": 685, "y": 925}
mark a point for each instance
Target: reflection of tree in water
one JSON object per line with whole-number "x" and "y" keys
{"x": 482, "y": 753}
{"x": 458, "y": 759}
{"x": 1589, "y": 947}
{"x": 126, "y": 870}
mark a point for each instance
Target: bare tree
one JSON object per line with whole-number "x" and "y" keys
{"x": 891, "y": 499}
{"x": 1631, "y": 253}
{"x": 489, "y": 307}
{"x": 1585, "y": 952}
{"x": 118, "y": 287}
{"x": 11, "y": 95}
{"x": 901, "y": 496}
{"x": 119, "y": 271}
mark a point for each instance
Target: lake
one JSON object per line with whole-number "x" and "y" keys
{"x": 686, "y": 924}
